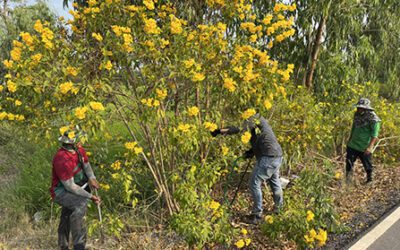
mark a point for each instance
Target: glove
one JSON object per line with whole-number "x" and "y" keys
{"x": 248, "y": 154}
{"x": 216, "y": 132}
{"x": 232, "y": 130}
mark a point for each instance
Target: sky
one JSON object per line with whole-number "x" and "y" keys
{"x": 56, "y": 6}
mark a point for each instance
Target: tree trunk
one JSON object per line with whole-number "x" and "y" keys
{"x": 315, "y": 51}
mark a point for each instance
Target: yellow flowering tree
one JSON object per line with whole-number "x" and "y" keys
{"x": 168, "y": 81}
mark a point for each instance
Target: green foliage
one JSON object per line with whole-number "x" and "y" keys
{"x": 309, "y": 195}
{"x": 32, "y": 185}
{"x": 20, "y": 19}
{"x": 199, "y": 223}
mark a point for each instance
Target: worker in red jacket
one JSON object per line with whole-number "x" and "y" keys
{"x": 71, "y": 174}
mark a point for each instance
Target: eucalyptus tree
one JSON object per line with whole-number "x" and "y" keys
{"x": 17, "y": 19}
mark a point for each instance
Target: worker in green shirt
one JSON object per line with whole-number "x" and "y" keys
{"x": 363, "y": 136}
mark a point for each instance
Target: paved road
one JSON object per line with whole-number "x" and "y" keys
{"x": 389, "y": 240}
{"x": 385, "y": 235}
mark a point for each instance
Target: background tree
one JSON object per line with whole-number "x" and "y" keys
{"x": 17, "y": 19}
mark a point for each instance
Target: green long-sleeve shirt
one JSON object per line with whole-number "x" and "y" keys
{"x": 360, "y": 137}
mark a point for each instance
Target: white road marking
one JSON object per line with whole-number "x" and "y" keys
{"x": 375, "y": 233}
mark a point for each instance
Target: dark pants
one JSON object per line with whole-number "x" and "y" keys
{"x": 72, "y": 220}
{"x": 352, "y": 156}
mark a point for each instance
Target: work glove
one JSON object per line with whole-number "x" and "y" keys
{"x": 232, "y": 130}
{"x": 248, "y": 154}
{"x": 216, "y": 132}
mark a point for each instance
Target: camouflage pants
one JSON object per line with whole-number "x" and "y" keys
{"x": 72, "y": 220}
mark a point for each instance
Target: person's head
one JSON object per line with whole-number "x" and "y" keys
{"x": 364, "y": 105}
{"x": 69, "y": 139}
{"x": 251, "y": 122}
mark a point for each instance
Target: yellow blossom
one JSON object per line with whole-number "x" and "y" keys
{"x": 108, "y": 65}
{"x": 253, "y": 38}
{"x": 214, "y": 205}
{"x": 267, "y": 104}
{"x": 149, "y": 4}
{"x": 240, "y": 244}
{"x": 16, "y": 54}
{"x": 193, "y": 111}
{"x": 338, "y": 175}
{"x": 248, "y": 241}
{"x": 267, "y": 19}
{"x": 130, "y": 145}
{"x": 184, "y": 127}
{"x": 65, "y": 87}
{"x": 75, "y": 90}
{"x": 127, "y": 39}
{"x": 132, "y": 8}
{"x": 3, "y": 115}
{"x": 210, "y": 126}
{"x": 310, "y": 215}
{"x": 11, "y": 86}
{"x": 269, "y": 219}
{"x": 97, "y": 36}
{"x": 105, "y": 187}
{"x": 150, "y": 26}
{"x": 246, "y": 137}
{"x": 322, "y": 236}
{"x": 116, "y": 166}
{"x": 17, "y": 44}
{"x": 18, "y": 103}
{"x": 161, "y": 93}
{"x": 280, "y": 38}
{"x": 37, "y": 57}
{"x": 80, "y": 113}
{"x": 308, "y": 239}
{"x": 164, "y": 43}
{"x": 198, "y": 77}
{"x": 27, "y": 38}
{"x": 150, "y": 102}
{"x": 225, "y": 150}
{"x": 229, "y": 84}
{"x": 72, "y": 71}
{"x": 38, "y": 26}
{"x": 1, "y": 88}
{"x": 176, "y": 25}
{"x": 248, "y": 113}
{"x": 138, "y": 150}
{"x": 19, "y": 117}
{"x": 117, "y": 30}
{"x": 71, "y": 135}
{"x": 270, "y": 30}
{"x": 63, "y": 129}
{"x": 189, "y": 63}
{"x": 243, "y": 231}
{"x": 97, "y": 106}
{"x": 8, "y": 63}
{"x": 313, "y": 233}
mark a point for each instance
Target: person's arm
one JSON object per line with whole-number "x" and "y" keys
{"x": 230, "y": 130}
{"x": 89, "y": 173}
{"x": 374, "y": 138}
{"x": 70, "y": 186}
{"x": 87, "y": 168}
{"x": 351, "y": 132}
